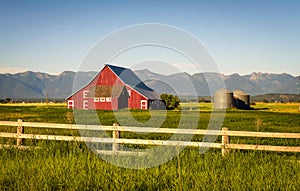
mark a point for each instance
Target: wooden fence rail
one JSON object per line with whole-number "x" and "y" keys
{"x": 116, "y": 140}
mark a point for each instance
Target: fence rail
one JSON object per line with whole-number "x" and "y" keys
{"x": 116, "y": 140}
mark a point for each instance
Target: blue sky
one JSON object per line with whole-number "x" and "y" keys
{"x": 243, "y": 36}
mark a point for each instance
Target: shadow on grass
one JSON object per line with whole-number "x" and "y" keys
{"x": 258, "y": 109}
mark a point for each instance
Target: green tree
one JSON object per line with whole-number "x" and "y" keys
{"x": 8, "y": 100}
{"x": 265, "y": 101}
{"x": 171, "y": 101}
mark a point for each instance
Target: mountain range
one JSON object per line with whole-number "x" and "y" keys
{"x": 39, "y": 85}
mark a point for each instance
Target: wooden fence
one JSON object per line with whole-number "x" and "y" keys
{"x": 225, "y": 145}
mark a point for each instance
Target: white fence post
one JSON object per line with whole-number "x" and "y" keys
{"x": 116, "y": 135}
{"x": 225, "y": 142}
{"x": 20, "y": 130}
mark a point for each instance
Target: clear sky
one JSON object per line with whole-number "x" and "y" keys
{"x": 243, "y": 36}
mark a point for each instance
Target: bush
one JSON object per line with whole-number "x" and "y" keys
{"x": 172, "y": 102}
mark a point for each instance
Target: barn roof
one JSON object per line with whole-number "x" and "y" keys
{"x": 149, "y": 94}
{"x": 131, "y": 79}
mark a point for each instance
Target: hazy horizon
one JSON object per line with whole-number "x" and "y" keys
{"x": 56, "y": 74}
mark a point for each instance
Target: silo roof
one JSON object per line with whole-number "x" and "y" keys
{"x": 224, "y": 90}
{"x": 239, "y": 92}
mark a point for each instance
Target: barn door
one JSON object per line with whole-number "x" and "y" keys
{"x": 144, "y": 104}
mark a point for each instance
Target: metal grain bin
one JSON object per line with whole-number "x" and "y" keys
{"x": 242, "y": 99}
{"x": 223, "y": 99}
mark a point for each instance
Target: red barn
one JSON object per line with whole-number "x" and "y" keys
{"x": 115, "y": 88}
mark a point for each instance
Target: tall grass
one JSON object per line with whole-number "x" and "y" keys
{"x": 72, "y": 166}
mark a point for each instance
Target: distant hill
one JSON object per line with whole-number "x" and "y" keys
{"x": 37, "y": 85}
{"x": 254, "y": 84}
{"x": 276, "y": 98}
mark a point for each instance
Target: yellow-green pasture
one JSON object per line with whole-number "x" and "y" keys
{"x": 73, "y": 166}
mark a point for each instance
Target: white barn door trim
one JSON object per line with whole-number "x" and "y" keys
{"x": 144, "y": 104}
{"x": 70, "y": 104}
{"x": 85, "y": 104}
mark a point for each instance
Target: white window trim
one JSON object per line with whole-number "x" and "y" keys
{"x": 102, "y": 99}
{"x": 144, "y": 104}
{"x": 70, "y": 104}
{"x": 85, "y": 104}
{"x": 108, "y": 99}
{"x": 85, "y": 93}
{"x": 129, "y": 92}
{"x": 96, "y": 99}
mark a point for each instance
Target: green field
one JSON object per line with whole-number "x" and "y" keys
{"x": 72, "y": 166}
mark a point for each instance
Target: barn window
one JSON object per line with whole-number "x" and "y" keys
{"x": 85, "y": 93}
{"x": 108, "y": 99}
{"x": 85, "y": 104}
{"x": 70, "y": 104}
{"x": 102, "y": 99}
{"x": 144, "y": 104}
{"x": 96, "y": 99}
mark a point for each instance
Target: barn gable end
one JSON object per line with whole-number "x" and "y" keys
{"x": 114, "y": 88}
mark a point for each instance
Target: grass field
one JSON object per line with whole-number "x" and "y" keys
{"x": 72, "y": 166}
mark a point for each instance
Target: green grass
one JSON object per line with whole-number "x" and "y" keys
{"x": 72, "y": 166}
{"x": 66, "y": 167}
{"x": 279, "y": 107}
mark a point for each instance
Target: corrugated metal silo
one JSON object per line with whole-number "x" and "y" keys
{"x": 242, "y": 99}
{"x": 223, "y": 99}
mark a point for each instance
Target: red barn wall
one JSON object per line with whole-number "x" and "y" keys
{"x": 106, "y": 77}
{"x": 134, "y": 102}
{"x": 113, "y": 105}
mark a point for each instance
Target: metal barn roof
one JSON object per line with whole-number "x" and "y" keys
{"x": 131, "y": 79}
{"x": 149, "y": 94}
